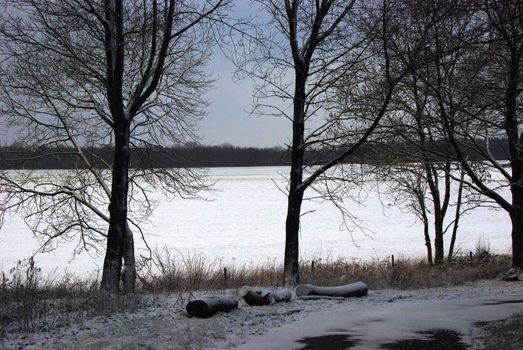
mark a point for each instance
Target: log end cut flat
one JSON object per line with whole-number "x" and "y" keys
{"x": 357, "y": 289}
{"x": 208, "y": 306}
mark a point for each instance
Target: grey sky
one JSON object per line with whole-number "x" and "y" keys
{"x": 229, "y": 119}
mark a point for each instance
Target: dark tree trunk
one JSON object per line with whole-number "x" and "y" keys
{"x": 426, "y": 231}
{"x": 291, "y": 275}
{"x": 118, "y": 227}
{"x": 438, "y": 239}
{"x": 515, "y": 140}
{"x": 129, "y": 263}
{"x": 428, "y": 243}
{"x": 292, "y": 230}
{"x": 456, "y": 218}
{"x": 516, "y": 217}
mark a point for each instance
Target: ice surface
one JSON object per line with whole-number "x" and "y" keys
{"x": 244, "y": 223}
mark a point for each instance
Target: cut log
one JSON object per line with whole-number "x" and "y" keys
{"x": 254, "y": 296}
{"x": 283, "y": 295}
{"x": 208, "y": 306}
{"x": 258, "y": 297}
{"x": 357, "y": 289}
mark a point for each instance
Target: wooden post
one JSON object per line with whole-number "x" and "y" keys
{"x": 392, "y": 259}
{"x": 225, "y": 276}
{"x": 312, "y": 267}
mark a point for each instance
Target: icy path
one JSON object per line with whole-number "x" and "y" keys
{"x": 405, "y": 324}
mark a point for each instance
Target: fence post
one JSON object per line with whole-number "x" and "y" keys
{"x": 225, "y": 276}
{"x": 392, "y": 259}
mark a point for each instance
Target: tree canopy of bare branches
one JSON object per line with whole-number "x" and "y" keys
{"x": 121, "y": 74}
{"x": 307, "y": 53}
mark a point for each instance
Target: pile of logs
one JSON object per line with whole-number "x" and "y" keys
{"x": 210, "y": 305}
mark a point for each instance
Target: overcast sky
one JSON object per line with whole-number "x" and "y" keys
{"x": 229, "y": 119}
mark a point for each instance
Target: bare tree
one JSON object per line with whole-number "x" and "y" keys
{"x": 421, "y": 167}
{"x": 473, "y": 83}
{"x": 490, "y": 97}
{"x": 307, "y": 52}
{"x": 122, "y": 74}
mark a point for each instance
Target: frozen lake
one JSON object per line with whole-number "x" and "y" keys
{"x": 244, "y": 223}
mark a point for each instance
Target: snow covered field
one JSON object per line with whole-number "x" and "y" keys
{"x": 243, "y": 223}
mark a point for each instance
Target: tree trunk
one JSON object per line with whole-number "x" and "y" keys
{"x": 116, "y": 236}
{"x": 428, "y": 243}
{"x": 426, "y": 231}
{"x": 516, "y": 216}
{"x": 291, "y": 275}
{"x": 129, "y": 263}
{"x": 292, "y": 231}
{"x": 439, "y": 250}
{"x": 456, "y": 218}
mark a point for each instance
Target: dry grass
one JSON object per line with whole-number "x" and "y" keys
{"x": 173, "y": 272}
{"x": 30, "y": 301}
{"x": 506, "y": 334}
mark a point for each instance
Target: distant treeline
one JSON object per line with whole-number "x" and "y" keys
{"x": 17, "y": 157}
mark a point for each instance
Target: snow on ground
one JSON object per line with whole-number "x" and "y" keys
{"x": 167, "y": 326}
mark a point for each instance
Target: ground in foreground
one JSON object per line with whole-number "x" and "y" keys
{"x": 164, "y": 323}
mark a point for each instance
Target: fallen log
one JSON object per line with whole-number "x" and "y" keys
{"x": 357, "y": 289}
{"x": 208, "y": 306}
{"x": 254, "y": 296}
{"x": 259, "y": 297}
{"x": 284, "y": 295}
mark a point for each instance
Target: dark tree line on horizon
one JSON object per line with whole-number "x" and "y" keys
{"x": 202, "y": 156}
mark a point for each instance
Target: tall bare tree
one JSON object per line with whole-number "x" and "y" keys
{"x": 490, "y": 97}
{"x": 307, "y": 52}
{"x": 472, "y": 83}
{"x": 124, "y": 74}
{"x": 422, "y": 171}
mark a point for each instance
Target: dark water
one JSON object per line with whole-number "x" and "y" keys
{"x": 436, "y": 339}
{"x": 331, "y": 342}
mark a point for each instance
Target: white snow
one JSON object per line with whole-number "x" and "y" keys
{"x": 243, "y": 223}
